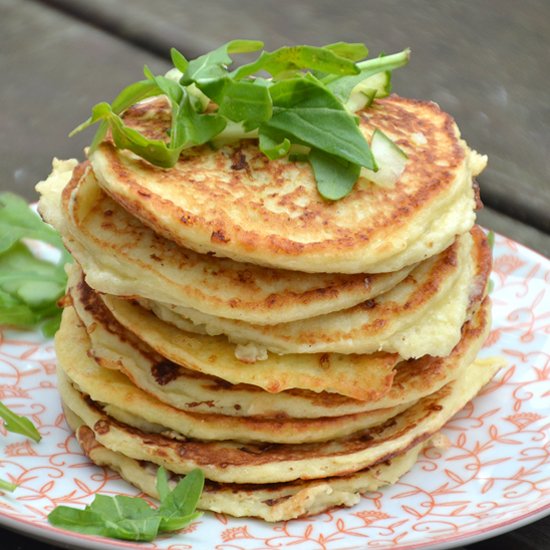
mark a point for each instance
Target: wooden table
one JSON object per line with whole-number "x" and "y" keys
{"x": 486, "y": 62}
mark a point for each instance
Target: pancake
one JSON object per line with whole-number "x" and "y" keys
{"x": 235, "y": 462}
{"x": 121, "y": 256}
{"x": 274, "y": 502}
{"x": 236, "y": 203}
{"x": 358, "y": 376}
{"x": 112, "y": 346}
{"x": 222, "y": 315}
{"x": 127, "y": 403}
{"x": 421, "y": 315}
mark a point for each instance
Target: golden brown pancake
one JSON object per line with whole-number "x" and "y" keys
{"x": 299, "y": 351}
{"x": 235, "y": 462}
{"x": 122, "y": 256}
{"x": 126, "y": 402}
{"x": 113, "y": 346}
{"x": 362, "y": 377}
{"x": 236, "y": 203}
{"x": 421, "y": 315}
{"x": 271, "y": 502}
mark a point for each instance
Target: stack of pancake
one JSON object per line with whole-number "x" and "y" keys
{"x": 222, "y": 315}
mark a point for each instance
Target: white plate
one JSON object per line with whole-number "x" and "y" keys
{"x": 493, "y": 478}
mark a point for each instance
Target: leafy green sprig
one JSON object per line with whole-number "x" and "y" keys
{"x": 309, "y": 101}
{"x": 16, "y": 424}
{"x": 29, "y": 286}
{"x": 7, "y": 486}
{"x": 132, "y": 518}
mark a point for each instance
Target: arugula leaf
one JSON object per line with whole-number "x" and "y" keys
{"x": 335, "y": 177}
{"x": 309, "y": 101}
{"x": 350, "y": 50}
{"x": 303, "y": 108}
{"x": 272, "y": 144}
{"x": 81, "y": 521}
{"x": 177, "y": 508}
{"x": 18, "y": 424}
{"x": 155, "y": 150}
{"x": 246, "y": 101}
{"x": 294, "y": 58}
{"x": 131, "y": 518}
{"x": 166, "y": 85}
{"x": 126, "y": 517}
{"x": 193, "y": 128}
{"x": 162, "y": 484}
{"x": 179, "y": 60}
{"x": 209, "y": 71}
{"x": 213, "y": 65}
{"x": 132, "y": 94}
{"x": 17, "y": 220}
{"x": 29, "y": 286}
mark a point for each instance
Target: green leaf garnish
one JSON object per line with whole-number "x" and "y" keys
{"x": 246, "y": 101}
{"x": 29, "y": 286}
{"x": 273, "y": 145}
{"x": 7, "y": 486}
{"x": 335, "y": 179}
{"x": 177, "y": 507}
{"x": 291, "y": 59}
{"x": 17, "y": 221}
{"x": 18, "y": 424}
{"x": 342, "y": 87}
{"x": 211, "y": 67}
{"x": 350, "y": 50}
{"x": 131, "y": 518}
{"x": 305, "y": 111}
{"x": 309, "y": 100}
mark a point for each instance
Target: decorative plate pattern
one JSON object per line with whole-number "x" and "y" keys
{"x": 493, "y": 477}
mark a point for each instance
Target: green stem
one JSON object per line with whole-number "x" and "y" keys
{"x": 384, "y": 63}
{"x": 7, "y": 486}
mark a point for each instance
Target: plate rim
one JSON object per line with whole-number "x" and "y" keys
{"x": 92, "y": 542}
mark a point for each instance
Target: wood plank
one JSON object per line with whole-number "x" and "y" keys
{"x": 484, "y": 62}
{"x": 54, "y": 68}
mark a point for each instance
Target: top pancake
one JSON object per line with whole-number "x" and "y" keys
{"x": 236, "y": 203}
{"x": 121, "y": 256}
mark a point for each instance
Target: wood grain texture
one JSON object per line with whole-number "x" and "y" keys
{"x": 54, "y": 68}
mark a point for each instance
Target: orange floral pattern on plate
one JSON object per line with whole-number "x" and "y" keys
{"x": 492, "y": 477}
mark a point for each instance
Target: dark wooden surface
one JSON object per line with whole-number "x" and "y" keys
{"x": 486, "y": 62}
